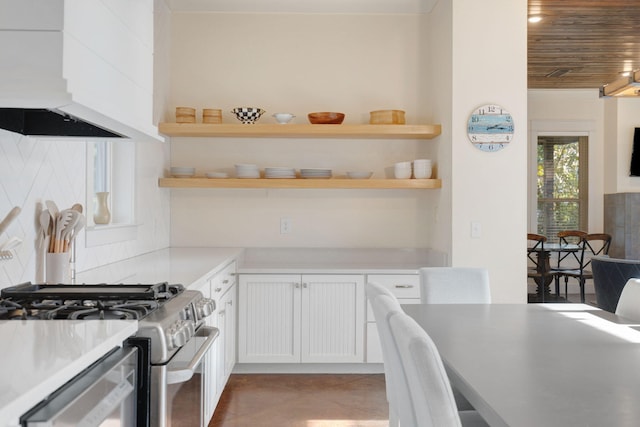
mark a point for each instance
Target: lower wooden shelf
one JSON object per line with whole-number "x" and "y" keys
{"x": 373, "y": 184}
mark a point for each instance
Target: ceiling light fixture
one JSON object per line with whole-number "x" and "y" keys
{"x": 534, "y": 19}
{"x": 628, "y": 86}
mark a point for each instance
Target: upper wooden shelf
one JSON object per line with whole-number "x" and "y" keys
{"x": 300, "y": 131}
{"x": 335, "y": 183}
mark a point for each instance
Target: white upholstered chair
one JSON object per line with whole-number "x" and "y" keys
{"x": 431, "y": 394}
{"x": 384, "y": 304}
{"x": 454, "y": 285}
{"x": 629, "y": 302}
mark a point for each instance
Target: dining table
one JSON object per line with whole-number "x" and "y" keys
{"x": 532, "y": 365}
{"x": 543, "y": 260}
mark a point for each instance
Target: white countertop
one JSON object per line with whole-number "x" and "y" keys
{"x": 339, "y": 260}
{"x": 174, "y": 265}
{"x": 40, "y": 356}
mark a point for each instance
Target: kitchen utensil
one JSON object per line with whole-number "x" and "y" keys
{"x": 53, "y": 209}
{"x": 11, "y": 243}
{"x": 326, "y": 118}
{"x": 77, "y": 207}
{"x": 61, "y": 222}
{"x": 10, "y": 217}
{"x": 65, "y": 234}
{"x": 248, "y": 115}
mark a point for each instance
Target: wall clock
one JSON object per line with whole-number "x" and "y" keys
{"x": 490, "y": 128}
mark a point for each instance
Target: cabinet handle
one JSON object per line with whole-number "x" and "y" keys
{"x": 230, "y": 302}
{"x": 305, "y": 285}
{"x": 404, "y": 286}
{"x": 218, "y": 289}
{"x": 297, "y": 285}
{"x": 225, "y": 281}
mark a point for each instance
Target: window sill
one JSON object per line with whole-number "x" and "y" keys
{"x": 99, "y": 235}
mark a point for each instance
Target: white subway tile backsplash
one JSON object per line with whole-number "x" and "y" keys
{"x": 34, "y": 170}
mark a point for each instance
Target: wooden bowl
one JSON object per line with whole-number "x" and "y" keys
{"x": 325, "y": 118}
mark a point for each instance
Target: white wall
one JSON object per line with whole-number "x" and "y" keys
{"x": 301, "y": 63}
{"x": 574, "y": 111}
{"x": 489, "y": 66}
{"x": 32, "y": 171}
{"x": 622, "y": 116}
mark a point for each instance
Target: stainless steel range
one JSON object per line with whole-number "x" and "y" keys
{"x": 170, "y": 319}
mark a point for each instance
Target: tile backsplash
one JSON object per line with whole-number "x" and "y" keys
{"x": 34, "y": 170}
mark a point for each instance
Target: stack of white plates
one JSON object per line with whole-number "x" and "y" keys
{"x": 279, "y": 173}
{"x": 247, "y": 171}
{"x": 315, "y": 173}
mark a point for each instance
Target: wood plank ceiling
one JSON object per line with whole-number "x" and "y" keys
{"x": 595, "y": 40}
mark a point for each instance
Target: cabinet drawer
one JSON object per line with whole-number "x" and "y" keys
{"x": 224, "y": 280}
{"x": 401, "y": 285}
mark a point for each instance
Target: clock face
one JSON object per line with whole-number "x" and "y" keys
{"x": 490, "y": 128}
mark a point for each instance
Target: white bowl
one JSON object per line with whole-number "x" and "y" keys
{"x": 180, "y": 171}
{"x": 359, "y": 175}
{"x": 283, "y": 118}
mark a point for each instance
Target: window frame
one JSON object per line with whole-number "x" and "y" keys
{"x": 121, "y": 157}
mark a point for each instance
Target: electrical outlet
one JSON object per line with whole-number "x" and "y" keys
{"x": 285, "y": 225}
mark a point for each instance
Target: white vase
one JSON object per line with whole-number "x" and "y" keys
{"x": 101, "y": 213}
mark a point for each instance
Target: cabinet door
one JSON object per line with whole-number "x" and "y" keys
{"x": 332, "y": 318}
{"x": 229, "y": 302}
{"x": 268, "y": 320}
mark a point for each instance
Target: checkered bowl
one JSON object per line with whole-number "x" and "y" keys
{"x": 248, "y": 115}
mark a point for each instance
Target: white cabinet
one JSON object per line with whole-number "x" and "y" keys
{"x": 406, "y": 287}
{"x": 210, "y": 399}
{"x": 297, "y": 318}
{"x": 223, "y": 291}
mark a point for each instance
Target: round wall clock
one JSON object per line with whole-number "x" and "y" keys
{"x": 490, "y": 128}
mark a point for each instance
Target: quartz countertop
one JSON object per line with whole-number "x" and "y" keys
{"x": 339, "y": 260}
{"x": 40, "y": 356}
{"x": 174, "y": 265}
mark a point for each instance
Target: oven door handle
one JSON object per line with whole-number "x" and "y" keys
{"x": 182, "y": 373}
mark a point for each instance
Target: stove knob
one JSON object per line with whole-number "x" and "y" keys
{"x": 205, "y": 307}
{"x": 179, "y": 338}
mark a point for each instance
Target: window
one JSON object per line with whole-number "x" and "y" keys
{"x": 111, "y": 168}
{"x": 561, "y": 184}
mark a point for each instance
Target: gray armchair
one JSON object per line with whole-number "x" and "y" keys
{"x": 609, "y": 277}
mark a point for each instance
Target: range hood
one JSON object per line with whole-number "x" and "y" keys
{"x": 627, "y": 87}
{"x": 49, "y": 122}
{"x": 77, "y": 68}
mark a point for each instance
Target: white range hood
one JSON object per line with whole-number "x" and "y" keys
{"x": 88, "y": 62}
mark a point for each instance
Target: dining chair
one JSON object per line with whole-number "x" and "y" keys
{"x": 595, "y": 244}
{"x": 384, "y": 305}
{"x": 629, "y": 302}
{"x": 539, "y": 268}
{"x": 454, "y": 285}
{"x": 430, "y": 390}
{"x": 567, "y": 260}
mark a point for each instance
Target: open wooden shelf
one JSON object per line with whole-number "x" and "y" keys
{"x": 300, "y": 131}
{"x": 343, "y": 183}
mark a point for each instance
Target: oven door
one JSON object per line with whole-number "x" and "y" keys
{"x": 103, "y": 395}
{"x": 178, "y": 393}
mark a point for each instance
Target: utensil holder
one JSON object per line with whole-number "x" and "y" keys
{"x": 58, "y": 268}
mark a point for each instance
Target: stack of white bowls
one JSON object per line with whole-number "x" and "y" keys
{"x": 422, "y": 168}
{"x": 247, "y": 171}
{"x": 279, "y": 173}
{"x": 402, "y": 170}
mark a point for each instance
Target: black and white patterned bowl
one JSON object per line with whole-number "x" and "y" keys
{"x": 248, "y": 115}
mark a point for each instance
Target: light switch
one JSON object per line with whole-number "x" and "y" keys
{"x": 476, "y": 229}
